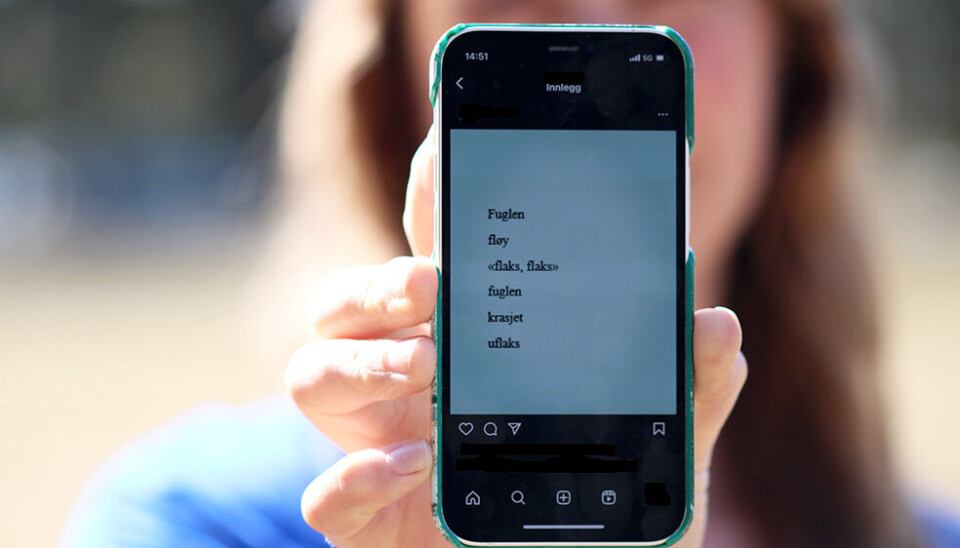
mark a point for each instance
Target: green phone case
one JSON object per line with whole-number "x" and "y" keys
{"x": 436, "y": 433}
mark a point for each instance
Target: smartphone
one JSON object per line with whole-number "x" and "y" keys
{"x": 563, "y": 396}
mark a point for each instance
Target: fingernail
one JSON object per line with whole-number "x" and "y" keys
{"x": 725, "y": 309}
{"x": 399, "y": 357}
{"x": 409, "y": 458}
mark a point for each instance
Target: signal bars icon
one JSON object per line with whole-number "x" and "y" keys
{"x": 646, "y": 57}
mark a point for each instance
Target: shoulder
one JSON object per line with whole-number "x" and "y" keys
{"x": 941, "y": 528}
{"x": 218, "y": 475}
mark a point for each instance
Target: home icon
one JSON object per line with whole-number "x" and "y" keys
{"x": 473, "y": 499}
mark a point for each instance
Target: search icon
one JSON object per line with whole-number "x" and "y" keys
{"x": 517, "y": 497}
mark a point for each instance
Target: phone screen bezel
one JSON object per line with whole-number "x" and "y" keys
{"x": 679, "y": 435}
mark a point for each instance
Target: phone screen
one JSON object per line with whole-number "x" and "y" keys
{"x": 563, "y": 247}
{"x": 563, "y": 244}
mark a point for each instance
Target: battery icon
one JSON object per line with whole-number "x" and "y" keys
{"x": 660, "y": 57}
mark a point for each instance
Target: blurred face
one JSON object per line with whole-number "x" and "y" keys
{"x": 734, "y": 48}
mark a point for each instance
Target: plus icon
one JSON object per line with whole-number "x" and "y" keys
{"x": 563, "y": 497}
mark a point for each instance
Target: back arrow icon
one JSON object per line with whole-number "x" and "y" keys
{"x": 458, "y": 82}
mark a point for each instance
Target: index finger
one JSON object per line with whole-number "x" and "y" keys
{"x": 372, "y": 301}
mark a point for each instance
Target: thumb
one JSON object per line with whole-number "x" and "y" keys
{"x": 418, "y": 212}
{"x": 720, "y": 371}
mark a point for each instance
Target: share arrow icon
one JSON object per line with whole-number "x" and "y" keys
{"x": 514, "y": 426}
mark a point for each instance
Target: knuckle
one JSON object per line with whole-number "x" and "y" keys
{"x": 715, "y": 401}
{"x": 293, "y": 377}
{"x": 350, "y": 374}
{"x": 717, "y": 392}
{"x": 717, "y": 348}
{"x": 332, "y": 376}
{"x": 316, "y": 502}
{"x": 354, "y": 484}
{"x": 312, "y": 515}
{"x": 342, "y": 500}
{"x": 371, "y": 372}
{"x": 311, "y": 371}
{"x": 329, "y": 297}
{"x": 741, "y": 368}
{"x": 375, "y": 303}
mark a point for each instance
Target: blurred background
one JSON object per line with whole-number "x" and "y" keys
{"x": 136, "y": 139}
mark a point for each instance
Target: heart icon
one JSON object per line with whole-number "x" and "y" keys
{"x": 466, "y": 428}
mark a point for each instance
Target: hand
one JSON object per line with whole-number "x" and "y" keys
{"x": 366, "y": 384}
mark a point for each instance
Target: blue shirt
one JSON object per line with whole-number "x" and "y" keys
{"x": 225, "y": 476}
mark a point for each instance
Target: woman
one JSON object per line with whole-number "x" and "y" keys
{"x": 802, "y": 460}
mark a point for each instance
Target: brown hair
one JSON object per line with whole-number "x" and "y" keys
{"x": 806, "y": 440}
{"x": 804, "y": 450}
